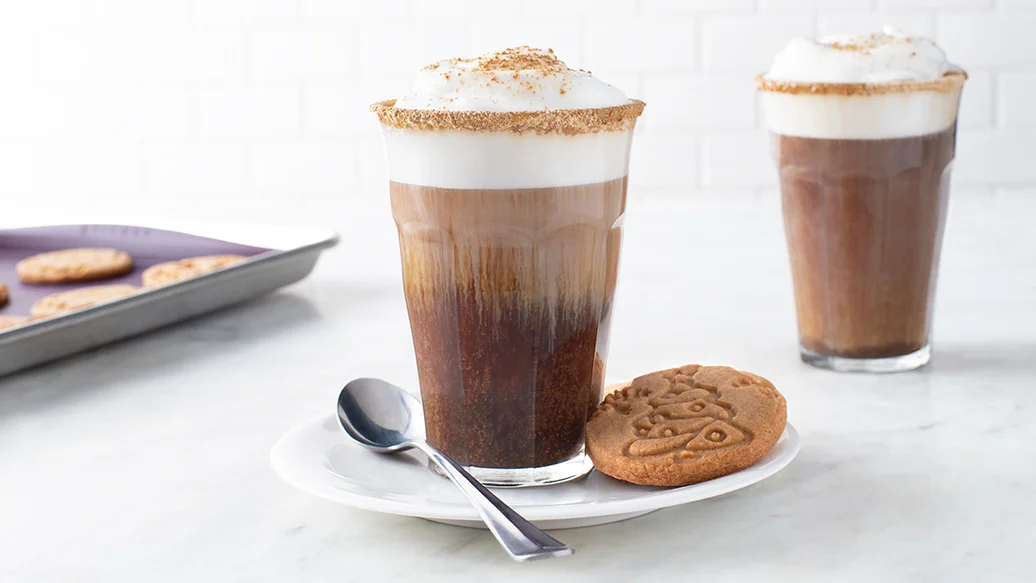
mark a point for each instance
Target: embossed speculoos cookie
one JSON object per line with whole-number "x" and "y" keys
{"x": 71, "y": 265}
{"x": 77, "y": 299}
{"x": 685, "y": 425}
{"x": 174, "y": 271}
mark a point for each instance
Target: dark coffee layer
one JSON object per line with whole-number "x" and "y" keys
{"x": 864, "y": 221}
{"x": 509, "y": 294}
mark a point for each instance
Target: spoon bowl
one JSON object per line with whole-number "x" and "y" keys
{"x": 380, "y": 415}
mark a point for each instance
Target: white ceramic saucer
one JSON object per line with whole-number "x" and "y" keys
{"x": 319, "y": 458}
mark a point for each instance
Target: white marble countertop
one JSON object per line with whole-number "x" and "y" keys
{"x": 148, "y": 460}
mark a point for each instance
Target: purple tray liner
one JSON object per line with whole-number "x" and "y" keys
{"x": 147, "y": 247}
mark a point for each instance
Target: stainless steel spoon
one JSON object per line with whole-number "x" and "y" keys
{"x": 383, "y": 417}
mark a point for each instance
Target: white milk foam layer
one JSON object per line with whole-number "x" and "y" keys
{"x": 520, "y": 79}
{"x": 887, "y": 57}
{"x": 503, "y": 160}
{"x": 860, "y": 117}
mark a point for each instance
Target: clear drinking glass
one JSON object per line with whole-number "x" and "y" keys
{"x": 510, "y": 249}
{"x": 865, "y": 177}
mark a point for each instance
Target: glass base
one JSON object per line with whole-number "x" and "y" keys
{"x": 570, "y": 469}
{"x": 906, "y": 362}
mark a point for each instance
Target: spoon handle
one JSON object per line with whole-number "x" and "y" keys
{"x": 519, "y": 537}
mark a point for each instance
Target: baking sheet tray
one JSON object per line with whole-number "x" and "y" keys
{"x": 277, "y": 256}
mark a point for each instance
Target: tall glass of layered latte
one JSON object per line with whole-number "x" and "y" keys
{"x": 864, "y": 132}
{"x": 508, "y": 186}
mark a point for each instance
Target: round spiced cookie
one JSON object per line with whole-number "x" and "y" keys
{"x": 5, "y": 295}
{"x": 77, "y": 299}
{"x": 72, "y": 265}
{"x": 173, "y": 271}
{"x": 12, "y": 321}
{"x": 685, "y": 425}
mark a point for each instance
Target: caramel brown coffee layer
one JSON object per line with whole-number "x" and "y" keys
{"x": 509, "y": 294}
{"x": 864, "y": 221}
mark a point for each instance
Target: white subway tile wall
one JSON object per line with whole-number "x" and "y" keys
{"x": 258, "y": 108}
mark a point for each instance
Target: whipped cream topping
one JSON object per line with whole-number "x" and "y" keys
{"x": 517, "y": 118}
{"x": 516, "y": 79}
{"x": 885, "y": 57}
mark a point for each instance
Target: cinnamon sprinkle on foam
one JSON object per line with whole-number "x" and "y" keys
{"x": 520, "y": 89}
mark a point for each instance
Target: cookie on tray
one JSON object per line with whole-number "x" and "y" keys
{"x": 5, "y": 294}
{"x": 77, "y": 299}
{"x": 685, "y": 425}
{"x": 12, "y": 321}
{"x": 174, "y": 271}
{"x": 73, "y": 265}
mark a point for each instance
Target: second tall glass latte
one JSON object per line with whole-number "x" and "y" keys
{"x": 508, "y": 188}
{"x": 864, "y": 135}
